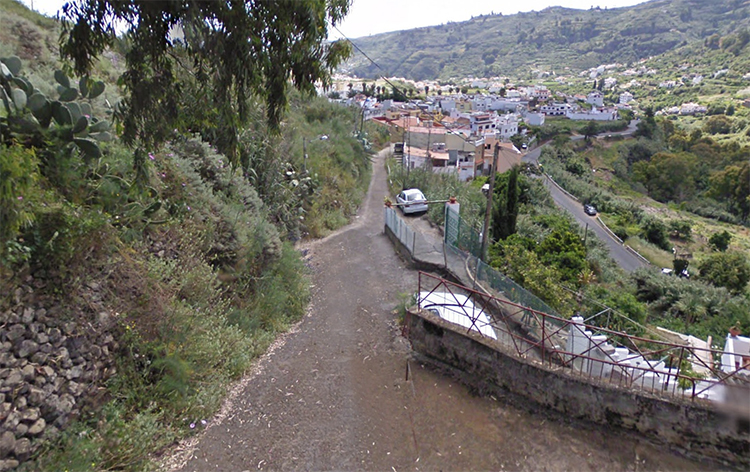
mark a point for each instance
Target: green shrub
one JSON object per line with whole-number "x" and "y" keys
{"x": 730, "y": 270}
{"x": 18, "y": 174}
{"x": 655, "y": 232}
{"x": 720, "y": 241}
{"x": 709, "y": 208}
{"x": 63, "y": 236}
{"x": 689, "y": 306}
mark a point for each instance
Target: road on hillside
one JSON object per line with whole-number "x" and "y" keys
{"x": 624, "y": 258}
{"x": 332, "y": 393}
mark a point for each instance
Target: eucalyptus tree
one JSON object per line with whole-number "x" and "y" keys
{"x": 233, "y": 51}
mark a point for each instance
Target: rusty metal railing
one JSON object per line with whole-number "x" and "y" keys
{"x": 600, "y": 354}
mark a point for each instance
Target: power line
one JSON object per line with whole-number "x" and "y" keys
{"x": 395, "y": 87}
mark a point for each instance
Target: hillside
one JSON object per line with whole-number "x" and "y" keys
{"x": 550, "y": 40}
{"x": 138, "y": 281}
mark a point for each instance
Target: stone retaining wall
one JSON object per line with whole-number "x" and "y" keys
{"x": 50, "y": 370}
{"x": 696, "y": 427}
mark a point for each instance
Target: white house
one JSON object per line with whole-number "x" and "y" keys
{"x": 479, "y": 83}
{"x": 595, "y": 98}
{"x": 595, "y": 114}
{"x": 625, "y": 98}
{"x": 447, "y": 105}
{"x": 480, "y": 103}
{"x": 541, "y": 92}
{"x": 480, "y": 123}
{"x": 736, "y": 354}
{"x": 506, "y": 104}
{"x": 610, "y": 82}
{"x": 534, "y": 119}
{"x": 692, "y": 109}
{"x": 556, "y": 109}
{"x": 507, "y": 126}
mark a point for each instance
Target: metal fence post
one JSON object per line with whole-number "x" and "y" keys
{"x": 543, "y": 337}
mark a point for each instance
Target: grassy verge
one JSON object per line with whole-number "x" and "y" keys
{"x": 655, "y": 255}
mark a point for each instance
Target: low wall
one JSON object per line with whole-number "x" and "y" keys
{"x": 416, "y": 263}
{"x": 697, "y": 427}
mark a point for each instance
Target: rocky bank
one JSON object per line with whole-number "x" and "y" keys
{"x": 52, "y": 368}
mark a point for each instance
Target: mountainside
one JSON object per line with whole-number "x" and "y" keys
{"x": 550, "y": 40}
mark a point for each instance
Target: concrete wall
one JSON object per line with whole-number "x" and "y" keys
{"x": 697, "y": 427}
{"x": 431, "y": 264}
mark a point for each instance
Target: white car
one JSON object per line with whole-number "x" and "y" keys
{"x": 412, "y": 201}
{"x": 457, "y": 308}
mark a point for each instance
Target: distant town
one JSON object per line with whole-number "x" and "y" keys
{"x": 455, "y": 130}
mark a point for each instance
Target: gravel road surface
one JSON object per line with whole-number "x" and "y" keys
{"x": 332, "y": 393}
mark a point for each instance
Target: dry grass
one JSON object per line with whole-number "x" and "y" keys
{"x": 655, "y": 255}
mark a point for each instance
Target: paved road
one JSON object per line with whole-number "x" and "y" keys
{"x": 626, "y": 259}
{"x": 332, "y": 394}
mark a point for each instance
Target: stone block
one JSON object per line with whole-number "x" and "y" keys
{"x": 7, "y": 444}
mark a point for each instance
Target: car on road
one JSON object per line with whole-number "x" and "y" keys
{"x": 589, "y": 210}
{"x": 457, "y": 308}
{"x": 412, "y": 201}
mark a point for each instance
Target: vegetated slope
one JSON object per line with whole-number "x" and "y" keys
{"x": 549, "y": 40}
{"x": 167, "y": 263}
{"x": 712, "y": 72}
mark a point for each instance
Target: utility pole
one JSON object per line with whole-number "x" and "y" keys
{"x": 488, "y": 211}
{"x": 408, "y": 151}
{"x": 585, "y": 238}
{"x": 429, "y": 139}
{"x": 362, "y": 118}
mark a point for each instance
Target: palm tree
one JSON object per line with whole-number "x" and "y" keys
{"x": 690, "y": 307}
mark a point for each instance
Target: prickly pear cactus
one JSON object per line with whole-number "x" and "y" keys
{"x": 26, "y": 113}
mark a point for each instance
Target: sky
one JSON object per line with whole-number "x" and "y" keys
{"x": 368, "y": 17}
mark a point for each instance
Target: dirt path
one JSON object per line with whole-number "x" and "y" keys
{"x": 331, "y": 395}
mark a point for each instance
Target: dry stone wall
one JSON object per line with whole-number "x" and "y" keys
{"x": 51, "y": 369}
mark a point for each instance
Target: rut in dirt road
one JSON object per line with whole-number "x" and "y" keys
{"x": 333, "y": 396}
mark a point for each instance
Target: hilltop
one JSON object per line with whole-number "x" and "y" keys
{"x": 556, "y": 39}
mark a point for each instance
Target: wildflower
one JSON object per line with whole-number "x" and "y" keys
{"x": 192, "y": 425}
{"x": 204, "y": 422}
{"x": 151, "y": 156}
{"x": 20, "y": 198}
